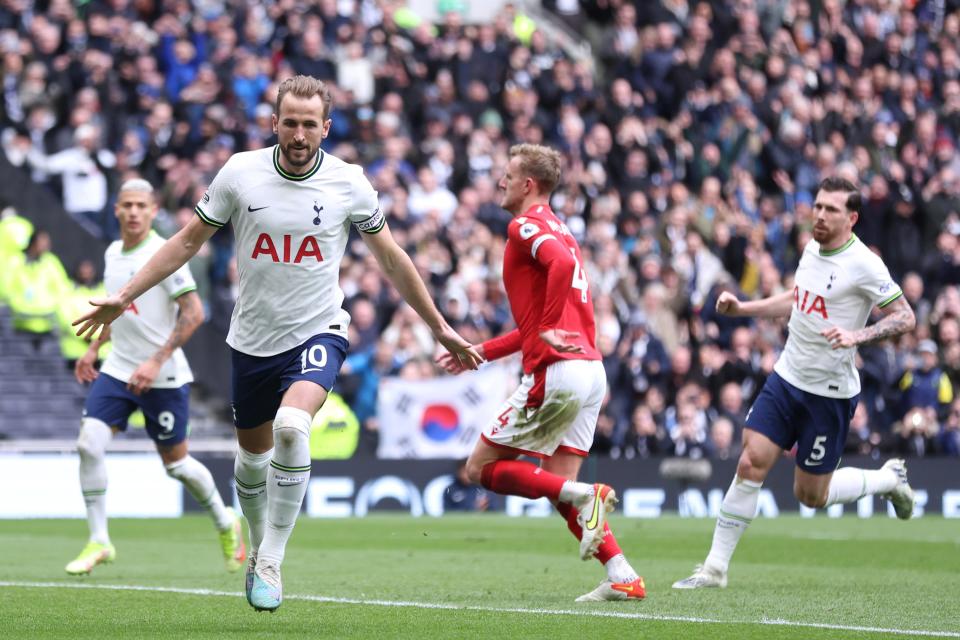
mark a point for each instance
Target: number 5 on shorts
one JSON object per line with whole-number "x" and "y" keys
{"x": 817, "y": 452}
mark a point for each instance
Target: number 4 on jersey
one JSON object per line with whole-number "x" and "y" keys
{"x": 579, "y": 278}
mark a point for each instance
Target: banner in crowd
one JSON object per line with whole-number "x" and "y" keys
{"x": 442, "y": 417}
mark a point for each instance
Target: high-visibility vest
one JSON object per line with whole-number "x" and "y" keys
{"x": 34, "y": 290}
{"x": 74, "y": 304}
{"x": 335, "y": 431}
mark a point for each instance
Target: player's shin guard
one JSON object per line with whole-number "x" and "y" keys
{"x": 737, "y": 510}
{"x": 250, "y": 479}
{"x": 286, "y": 481}
{"x": 92, "y": 447}
{"x": 609, "y": 553}
{"x": 516, "y": 478}
{"x": 849, "y": 484}
{"x": 198, "y": 481}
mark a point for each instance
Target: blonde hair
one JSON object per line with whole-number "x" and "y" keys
{"x": 136, "y": 184}
{"x": 305, "y": 87}
{"x": 540, "y": 163}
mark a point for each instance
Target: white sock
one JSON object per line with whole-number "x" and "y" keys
{"x": 572, "y": 491}
{"x": 92, "y": 447}
{"x": 737, "y": 510}
{"x": 198, "y": 481}
{"x": 250, "y": 480}
{"x": 849, "y": 484}
{"x": 286, "y": 481}
{"x": 619, "y": 570}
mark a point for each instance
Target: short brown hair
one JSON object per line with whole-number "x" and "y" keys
{"x": 540, "y": 163}
{"x": 305, "y": 87}
{"x": 836, "y": 184}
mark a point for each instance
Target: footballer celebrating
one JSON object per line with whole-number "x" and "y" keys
{"x": 292, "y": 206}
{"x": 146, "y": 369}
{"x": 811, "y": 395}
{"x": 553, "y": 413}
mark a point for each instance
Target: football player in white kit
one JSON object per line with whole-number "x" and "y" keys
{"x": 811, "y": 395}
{"x": 146, "y": 369}
{"x": 292, "y": 206}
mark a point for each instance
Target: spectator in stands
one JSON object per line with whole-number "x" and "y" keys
{"x": 35, "y": 285}
{"x": 427, "y": 197}
{"x": 916, "y": 434}
{"x": 723, "y": 443}
{"x": 913, "y": 290}
{"x": 732, "y": 407}
{"x": 15, "y": 232}
{"x": 364, "y": 326}
{"x": 687, "y": 440}
{"x": 335, "y": 431}
{"x": 644, "y": 438}
{"x": 86, "y": 169}
{"x": 861, "y": 439}
{"x": 84, "y": 287}
{"x": 925, "y": 385}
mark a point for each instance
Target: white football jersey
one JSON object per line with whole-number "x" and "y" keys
{"x": 146, "y": 325}
{"x": 291, "y": 232}
{"x": 832, "y": 288}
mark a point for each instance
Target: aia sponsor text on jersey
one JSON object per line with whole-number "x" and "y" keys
{"x": 809, "y": 303}
{"x": 282, "y": 250}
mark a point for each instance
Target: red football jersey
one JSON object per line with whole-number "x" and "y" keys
{"x": 547, "y": 289}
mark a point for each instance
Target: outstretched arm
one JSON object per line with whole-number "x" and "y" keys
{"x": 399, "y": 268}
{"x": 492, "y": 349}
{"x": 189, "y": 318}
{"x": 171, "y": 256}
{"x": 776, "y": 306}
{"x": 897, "y": 319}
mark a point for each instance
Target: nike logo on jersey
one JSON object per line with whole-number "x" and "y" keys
{"x": 812, "y": 463}
{"x": 251, "y": 209}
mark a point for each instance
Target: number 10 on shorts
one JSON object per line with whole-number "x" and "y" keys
{"x": 313, "y": 358}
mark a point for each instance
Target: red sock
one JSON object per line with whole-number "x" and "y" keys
{"x": 608, "y": 548}
{"x": 516, "y": 478}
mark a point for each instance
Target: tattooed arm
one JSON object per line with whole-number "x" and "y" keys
{"x": 189, "y": 318}
{"x": 897, "y": 318}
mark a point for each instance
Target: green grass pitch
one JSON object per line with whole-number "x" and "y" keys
{"x": 488, "y": 576}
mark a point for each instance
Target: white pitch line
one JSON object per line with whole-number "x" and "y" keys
{"x": 454, "y": 607}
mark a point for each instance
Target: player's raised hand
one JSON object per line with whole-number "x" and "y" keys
{"x": 105, "y": 310}
{"x": 459, "y": 348}
{"x": 83, "y": 370}
{"x": 839, "y": 338}
{"x": 560, "y": 339}
{"x": 728, "y": 304}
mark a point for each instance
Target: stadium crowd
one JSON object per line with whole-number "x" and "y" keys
{"x": 693, "y": 140}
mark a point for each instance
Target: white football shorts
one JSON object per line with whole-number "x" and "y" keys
{"x": 553, "y": 409}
